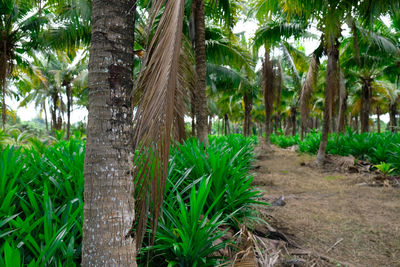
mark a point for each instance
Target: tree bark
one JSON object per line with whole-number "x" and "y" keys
{"x": 200, "y": 52}
{"x": 45, "y": 117}
{"x": 109, "y": 203}
{"x": 365, "y": 104}
{"x": 68, "y": 91}
{"x": 342, "y": 105}
{"x": 226, "y": 124}
{"x": 378, "y": 121}
{"x": 392, "y": 114}
{"x": 268, "y": 90}
{"x": 293, "y": 114}
{"x": 248, "y": 105}
{"x": 332, "y": 86}
{"x": 3, "y": 78}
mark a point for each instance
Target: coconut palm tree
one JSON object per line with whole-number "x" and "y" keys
{"x": 19, "y": 28}
{"x": 109, "y": 200}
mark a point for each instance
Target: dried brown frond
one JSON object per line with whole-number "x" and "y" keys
{"x": 308, "y": 88}
{"x": 154, "y": 115}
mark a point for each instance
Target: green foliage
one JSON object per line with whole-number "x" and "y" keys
{"x": 284, "y": 141}
{"x": 375, "y": 147}
{"x": 42, "y": 206}
{"x": 384, "y": 168}
{"x": 206, "y": 189}
{"x": 41, "y": 201}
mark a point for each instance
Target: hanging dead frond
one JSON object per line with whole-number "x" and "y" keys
{"x": 278, "y": 84}
{"x": 154, "y": 115}
{"x": 185, "y": 87}
{"x": 307, "y": 90}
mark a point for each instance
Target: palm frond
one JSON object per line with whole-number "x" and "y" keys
{"x": 154, "y": 115}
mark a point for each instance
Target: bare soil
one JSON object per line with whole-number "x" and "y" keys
{"x": 329, "y": 212}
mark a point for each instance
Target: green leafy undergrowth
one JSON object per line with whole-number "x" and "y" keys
{"x": 41, "y": 201}
{"x": 374, "y": 147}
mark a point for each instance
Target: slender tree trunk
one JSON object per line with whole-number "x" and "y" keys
{"x": 392, "y": 114}
{"x": 193, "y": 107}
{"x": 3, "y": 78}
{"x": 342, "y": 105}
{"x": 54, "y": 111}
{"x": 68, "y": 90}
{"x": 45, "y": 117}
{"x": 180, "y": 125}
{"x": 200, "y": 51}
{"x": 365, "y": 104}
{"x": 210, "y": 123}
{"x": 248, "y": 105}
{"x": 378, "y": 121}
{"x": 218, "y": 125}
{"x": 332, "y": 86}
{"x": 356, "y": 123}
{"x": 293, "y": 114}
{"x": 109, "y": 203}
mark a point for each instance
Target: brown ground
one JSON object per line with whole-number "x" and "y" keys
{"x": 323, "y": 207}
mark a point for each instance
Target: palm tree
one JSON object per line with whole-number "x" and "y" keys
{"x": 19, "y": 28}
{"x": 109, "y": 201}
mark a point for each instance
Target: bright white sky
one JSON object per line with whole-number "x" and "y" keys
{"x": 249, "y": 27}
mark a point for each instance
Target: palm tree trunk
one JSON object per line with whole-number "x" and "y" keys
{"x": 342, "y": 105}
{"x": 248, "y": 105}
{"x": 109, "y": 203}
{"x": 3, "y": 80}
{"x": 332, "y": 86}
{"x": 45, "y": 117}
{"x": 365, "y": 104}
{"x": 268, "y": 90}
{"x": 392, "y": 113}
{"x": 378, "y": 121}
{"x": 193, "y": 111}
{"x": 69, "y": 104}
{"x": 200, "y": 51}
{"x": 293, "y": 113}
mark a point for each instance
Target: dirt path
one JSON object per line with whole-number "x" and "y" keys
{"x": 323, "y": 208}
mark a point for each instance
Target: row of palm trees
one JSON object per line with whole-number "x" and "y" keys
{"x": 152, "y": 62}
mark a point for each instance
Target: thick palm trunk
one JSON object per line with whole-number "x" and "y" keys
{"x": 109, "y": 203}
{"x": 226, "y": 124}
{"x": 332, "y": 86}
{"x": 248, "y": 105}
{"x": 392, "y": 114}
{"x": 365, "y": 105}
{"x": 268, "y": 90}
{"x": 200, "y": 51}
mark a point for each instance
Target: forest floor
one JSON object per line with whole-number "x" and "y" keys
{"x": 328, "y": 211}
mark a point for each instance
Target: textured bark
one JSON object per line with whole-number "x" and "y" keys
{"x": 45, "y": 117}
{"x": 68, "y": 90}
{"x": 268, "y": 90}
{"x": 332, "y": 86}
{"x": 392, "y": 114}
{"x": 200, "y": 51}
{"x": 378, "y": 121}
{"x": 109, "y": 204}
{"x": 56, "y": 123}
{"x": 248, "y": 105}
{"x": 342, "y": 105}
{"x": 293, "y": 113}
{"x": 226, "y": 125}
{"x": 3, "y": 79}
{"x": 365, "y": 104}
